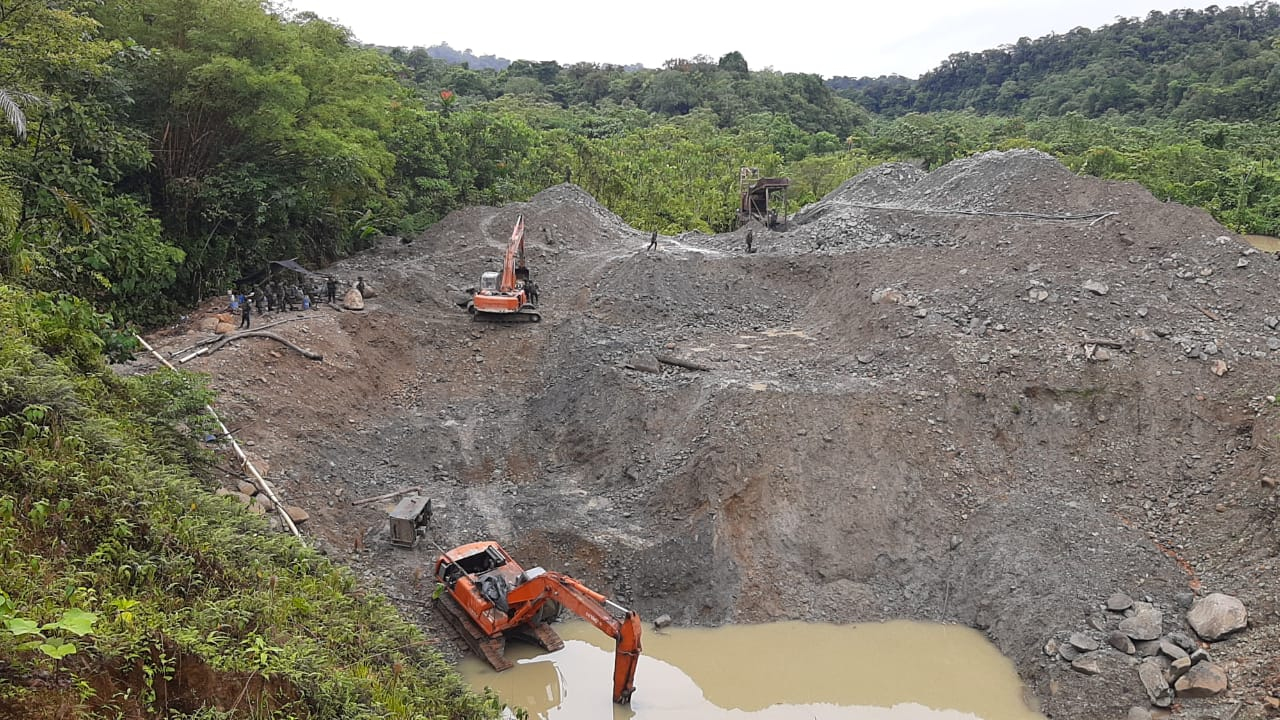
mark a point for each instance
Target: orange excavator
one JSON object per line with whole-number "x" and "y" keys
{"x": 487, "y": 597}
{"x": 507, "y": 296}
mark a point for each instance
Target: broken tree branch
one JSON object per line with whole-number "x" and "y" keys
{"x": 387, "y": 496}
{"x": 257, "y": 333}
{"x": 1102, "y": 341}
{"x": 1208, "y": 314}
{"x": 687, "y": 364}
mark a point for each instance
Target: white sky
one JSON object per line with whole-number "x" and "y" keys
{"x": 851, "y": 38}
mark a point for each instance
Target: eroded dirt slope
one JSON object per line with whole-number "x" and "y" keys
{"x": 990, "y": 419}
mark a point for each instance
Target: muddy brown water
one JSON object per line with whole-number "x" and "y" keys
{"x": 778, "y": 671}
{"x": 1265, "y": 243}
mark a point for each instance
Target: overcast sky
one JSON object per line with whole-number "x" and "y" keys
{"x": 851, "y": 38}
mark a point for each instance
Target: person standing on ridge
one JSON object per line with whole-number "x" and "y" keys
{"x": 653, "y": 241}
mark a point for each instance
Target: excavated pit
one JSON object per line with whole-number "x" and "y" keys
{"x": 983, "y": 419}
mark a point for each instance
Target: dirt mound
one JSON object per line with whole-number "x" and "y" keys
{"x": 989, "y": 418}
{"x": 881, "y": 184}
{"x": 1016, "y": 180}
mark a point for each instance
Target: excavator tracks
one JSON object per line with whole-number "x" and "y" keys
{"x": 519, "y": 316}
{"x": 491, "y": 649}
{"x": 539, "y": 634}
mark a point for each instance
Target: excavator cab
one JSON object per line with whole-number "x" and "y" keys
{"x": 489, "y": 281}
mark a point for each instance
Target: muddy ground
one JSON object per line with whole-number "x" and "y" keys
{"x": 949, "y": 411}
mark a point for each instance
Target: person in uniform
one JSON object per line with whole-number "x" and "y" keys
{"x": 653, "y": 241}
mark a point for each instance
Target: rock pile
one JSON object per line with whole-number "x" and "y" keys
{"x": 256, "y": 502}
{"x": 1128, "y": 634}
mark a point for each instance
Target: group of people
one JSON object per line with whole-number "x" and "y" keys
{"x": 277, "y": 296}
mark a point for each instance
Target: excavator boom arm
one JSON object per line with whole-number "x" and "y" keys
{"x": 515, "y": 250}
{"x": 592, "y": 607}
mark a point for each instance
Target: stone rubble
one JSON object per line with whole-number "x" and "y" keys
{"x": 1169, "y": 665}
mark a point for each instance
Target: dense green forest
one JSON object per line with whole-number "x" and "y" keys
{"x": 1211, "y": 64}
{"x": 160, "y": 148}
{"x": 151, "y": 151}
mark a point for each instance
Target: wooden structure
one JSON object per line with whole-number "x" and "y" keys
{"x": 757, "y": 198}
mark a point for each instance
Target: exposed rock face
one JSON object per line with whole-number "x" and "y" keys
{"x": 1217, "y": 615}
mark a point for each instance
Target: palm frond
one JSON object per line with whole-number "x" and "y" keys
{"x": 77, "y": 212}
{"x": 13, "y": 111}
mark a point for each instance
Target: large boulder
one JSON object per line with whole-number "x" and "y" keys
{"x": 353, "y": 300}
{"x": 1202, "y": 680}
{"x": 1217, "y": 615}
{"x": 222, "y": 328}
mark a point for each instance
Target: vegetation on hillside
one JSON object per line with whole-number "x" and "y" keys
{"x": 162, "y": 148}
{"x": 1216, "y": 63}
{"x": 129, "y": 590}
{"x": 152, "y": 151}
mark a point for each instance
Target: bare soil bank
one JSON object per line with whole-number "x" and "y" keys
{"x": 989, "y": 419}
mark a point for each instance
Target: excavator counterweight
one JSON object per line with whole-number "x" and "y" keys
{"x": 488, "y": 597}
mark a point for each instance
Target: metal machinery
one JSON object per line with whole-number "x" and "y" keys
{"x": 504, "y": 296}
{"x": 410, "y": 513}
{"x": 487, "y": 596}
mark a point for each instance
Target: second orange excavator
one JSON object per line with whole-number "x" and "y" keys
{"x": 507, "y": 295}
{"x": 487, "y": 596}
